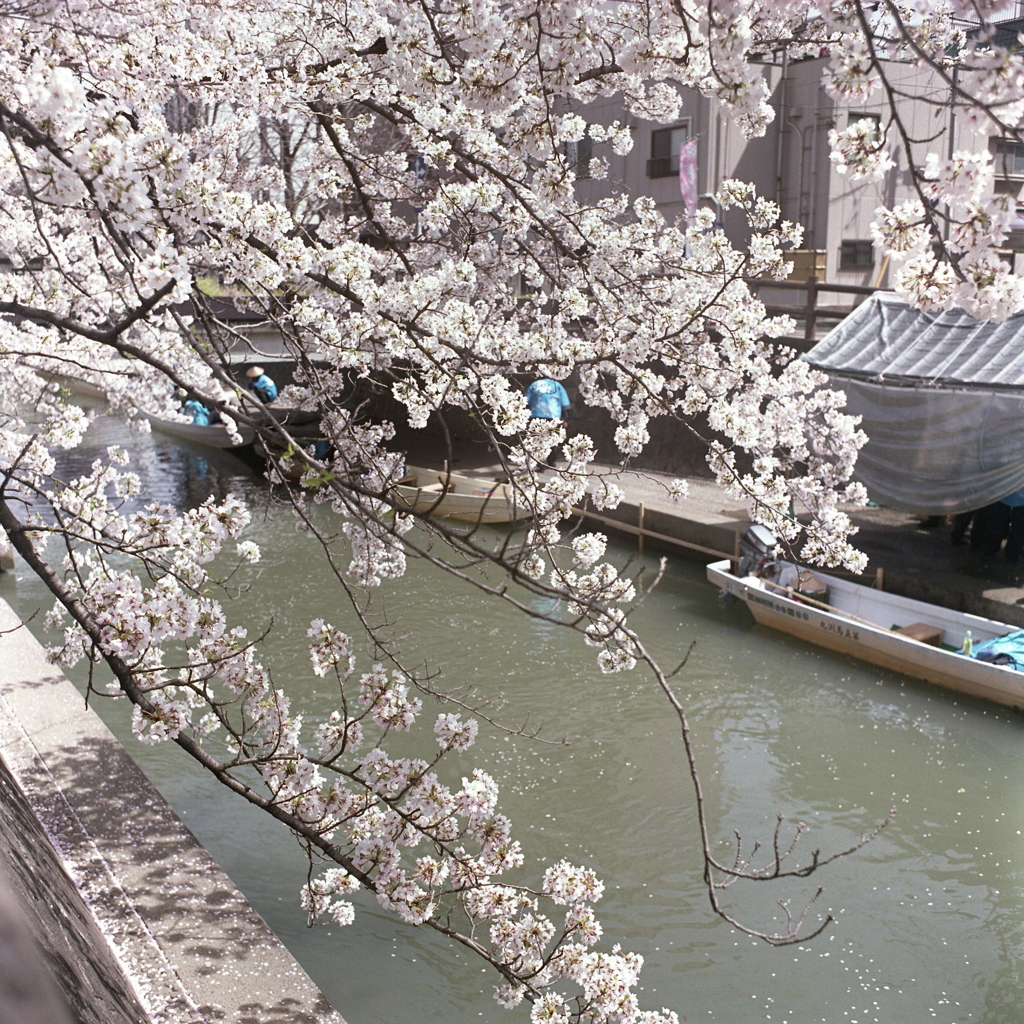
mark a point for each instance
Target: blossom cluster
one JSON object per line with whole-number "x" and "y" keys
{"x": 397, "y": 828}
{"x": 976, "y": 279}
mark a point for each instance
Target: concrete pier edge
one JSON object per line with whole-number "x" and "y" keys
{"x": 136, "y": 920}
{"x": 916, "y": 562}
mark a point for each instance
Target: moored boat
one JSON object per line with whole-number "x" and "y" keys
{"x": 899, "y": 633}
{"x": 450, "y": 495}
{"x": 215, "y": 435}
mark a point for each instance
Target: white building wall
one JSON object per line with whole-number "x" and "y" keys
{"x": 791, "y": 162}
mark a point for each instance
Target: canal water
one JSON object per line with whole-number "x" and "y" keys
{"x": 928, "y": 916}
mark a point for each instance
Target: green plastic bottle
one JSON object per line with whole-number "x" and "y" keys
{"x": 968, "y": 644}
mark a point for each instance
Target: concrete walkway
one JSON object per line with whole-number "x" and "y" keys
{"x": 137, "y": 923}
{"x": 915, "y": 561}
{"x": 921, "y": 563}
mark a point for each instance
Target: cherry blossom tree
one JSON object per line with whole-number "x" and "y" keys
{"x": 390, "y": 185}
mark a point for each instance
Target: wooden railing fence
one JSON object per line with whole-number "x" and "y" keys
{"x": 810, "y": 311}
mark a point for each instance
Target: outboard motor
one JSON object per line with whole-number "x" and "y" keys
{"x": 757, "y": 546}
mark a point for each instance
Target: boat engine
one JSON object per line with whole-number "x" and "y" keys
{"x": 757, "y": 546}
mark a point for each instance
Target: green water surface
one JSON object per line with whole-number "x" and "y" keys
{"x": 928, "y": 916}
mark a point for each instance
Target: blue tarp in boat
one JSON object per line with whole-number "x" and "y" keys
{"x": 1004, "y": 650}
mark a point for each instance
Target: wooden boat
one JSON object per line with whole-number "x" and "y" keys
{"x": 80, "y": 387}
{"x": 880, "y": 628}
{"x": 303, "y": 425}
{"x": 468, "y": 499}
{"x": 215, "y": 436}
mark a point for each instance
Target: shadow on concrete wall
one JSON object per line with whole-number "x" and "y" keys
{"x": 75, "y": 951}
{"x": 456, "y": 435}
{"x": 196, "y": 916}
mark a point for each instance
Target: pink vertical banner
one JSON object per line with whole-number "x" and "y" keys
{"x": 688, "y": 175}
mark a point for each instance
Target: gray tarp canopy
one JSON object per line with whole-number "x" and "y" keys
{"x": 942, "y": 401}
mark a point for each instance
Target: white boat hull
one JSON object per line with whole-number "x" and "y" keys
{"x": 871, "y": 638}
{"x": 215, "y": 436}
{"x": 468, "y": 499}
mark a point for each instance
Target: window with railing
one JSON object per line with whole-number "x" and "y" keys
{"x": 874, "y": 121}
{"x": 578, "y": 153}
{"x": 665, "y": 143}
{"x": 21, "y": 266}
{"x": 1008, "y": 157}
{"x": 856, "y": 254}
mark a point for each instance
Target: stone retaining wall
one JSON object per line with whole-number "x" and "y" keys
{"x": 136, "y": 921}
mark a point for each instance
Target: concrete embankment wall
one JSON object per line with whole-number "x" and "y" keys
{"x": 135, "y": 921}
{"x": 456, "y": 436}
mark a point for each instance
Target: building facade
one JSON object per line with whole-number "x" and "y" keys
{"x": 791, "y": 162}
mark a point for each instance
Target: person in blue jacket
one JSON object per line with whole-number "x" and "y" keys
{"x": 547, "y": 399}
{"x": 201, "y": 416}
{"x": 261, "y": 385}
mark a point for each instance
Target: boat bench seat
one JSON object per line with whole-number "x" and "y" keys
{"x": 922, "y": 631}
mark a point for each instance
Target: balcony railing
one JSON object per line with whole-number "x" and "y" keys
{"x": 661, "y": 167}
